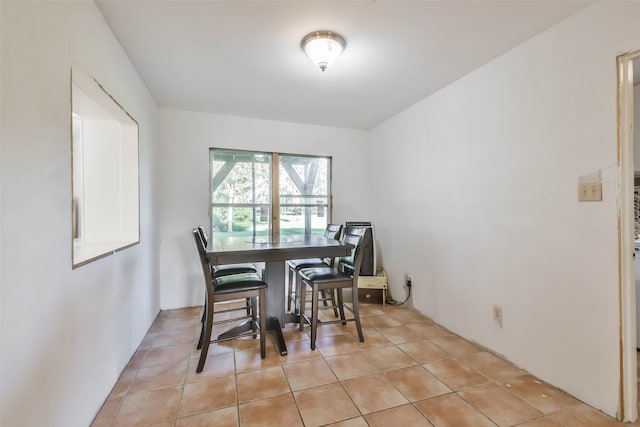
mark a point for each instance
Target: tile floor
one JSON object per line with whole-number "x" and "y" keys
{"x": 408, "y": 372}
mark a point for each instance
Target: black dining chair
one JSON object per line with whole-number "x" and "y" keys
{"x": 332, "y": 231}
{"x": 228, "y": 288}
{"x": 319, "y": 279}
{"x": 223, "y": 270}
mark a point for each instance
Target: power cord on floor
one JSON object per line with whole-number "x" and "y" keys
{"x": 391, "y": 301}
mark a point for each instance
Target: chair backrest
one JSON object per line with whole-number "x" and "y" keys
{"x": 353, "y": 261}
{"x": 204, "y": 260}
{"x": 347, "y": 264}
{"x": 333, "y": 231}
{"x": 203, "y": 235}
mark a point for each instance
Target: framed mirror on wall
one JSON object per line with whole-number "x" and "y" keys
{"x": 104, "y": 149}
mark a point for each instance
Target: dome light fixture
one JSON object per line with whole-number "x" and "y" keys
{"x": 323, "y": 47}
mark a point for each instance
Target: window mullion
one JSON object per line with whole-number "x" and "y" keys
{"x": 275, "y": 196}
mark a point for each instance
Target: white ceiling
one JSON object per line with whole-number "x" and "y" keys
{"x": 244, "y": 58}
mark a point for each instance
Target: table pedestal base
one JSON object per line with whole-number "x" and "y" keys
{"x": 273, "y": 326}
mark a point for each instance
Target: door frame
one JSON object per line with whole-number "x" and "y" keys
{"x": 628, "y": 410}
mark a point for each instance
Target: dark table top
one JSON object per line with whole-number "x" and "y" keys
{"x": 229, "y": 250}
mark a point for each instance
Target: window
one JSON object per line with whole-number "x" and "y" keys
{"x": 249, "y": 194}
{"x": 304, "y": 194}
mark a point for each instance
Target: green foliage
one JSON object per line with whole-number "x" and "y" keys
{"x": 242, "y": 219}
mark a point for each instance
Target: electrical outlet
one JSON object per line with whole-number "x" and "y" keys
{"x": 497, "y": 314}
{"x": 590, "y": 191}
{"x": 408, "y": 280}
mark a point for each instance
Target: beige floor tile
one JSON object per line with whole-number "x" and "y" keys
{"x": 298, "y": 351}
{"x": 148, "y": 407}
{"x": 388, "y": 358}
{"x": 337, "y": 344}
{"x": 451, "y": 411}
{"x": 416, "y": 383}
{"x": 249, "y": 342}
{"x": 455, "y": 374}
{"x": 372, "y": 339}
{"x": 226, "y": 417}
{"x": 214, "y": 348}
{"x": 351, "y": 365}
{"x": 216, "y": 365}
{"x": 583, "y": 416}
{"x": 189, "y": 313}
{"x": 455, "y": 345}
{"x": 159, "y": 376}
{"x": 325, "y": 405}
{"x": 334, "y": 328}
{"x": 274, "y": 411}
{"x": 138, "y": 358}
{"x": 423, "y": 351}
{"x": 169, "y": 354}
{"x": 406, "y": 415}
{"x": 178, "y": 337}
{"x": 309, "y": 373}
{"x": 371, "y": 310}
{"x": 374, "y": 393}
{"x": 492, "y": 366}
{"x": 148, "y": 340}
{"x": 401, "y": 334}
{"x": 168, "y": 324}
{"x": 169, "y": 423}
{"x": 499, "y": 405}
{"x": 122, "y": 386}
{"x": 378, "y": 322}
{"x": 377, "y": 376}
{"x": 429, "y": 330}
{"x": 250, "y": 360}
{"x": 107, "y": 413}
{"x": 208, "y": 395}
{"x": 540, "y": 422}
{"x": 541, "y": 396}
{"x": 261, "y": 384}
{"x": 353, "y": 422}
{"x": 291, "y": 334}
{"x": 407, "y": 316}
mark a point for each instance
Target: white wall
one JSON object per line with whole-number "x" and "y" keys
{"x": 184, "y": 180}
{"x": 636, "y": 121}
{"x": 66, "y": 334}
{"x": 485, "y": 175}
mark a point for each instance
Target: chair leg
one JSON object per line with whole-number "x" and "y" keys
{"x": 314, "y": 316}
{"x": 248, "y": 302}
{"x": 204, "y": 312}
{"x": 298, "y": 284}
{"x": 254, "y": 316}
{"x": 303, "y": 297}
{"x": 206, "y": 337}
{"x": 263, "y": 322}
{"x": 290, "y": 276}
{"x": 341, "y": 304}
{"x": 332, "y": 297}
{"x": 356, "y": 314}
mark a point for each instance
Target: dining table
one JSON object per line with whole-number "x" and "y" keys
{"x": 273, "y": 252}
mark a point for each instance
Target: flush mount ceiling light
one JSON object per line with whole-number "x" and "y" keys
{"x": 323, "y": 47}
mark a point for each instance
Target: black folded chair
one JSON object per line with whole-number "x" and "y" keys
{"x": 319, "y": 279}
{"x": 227, "y": 288}
{"x": 332, "y": 231}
